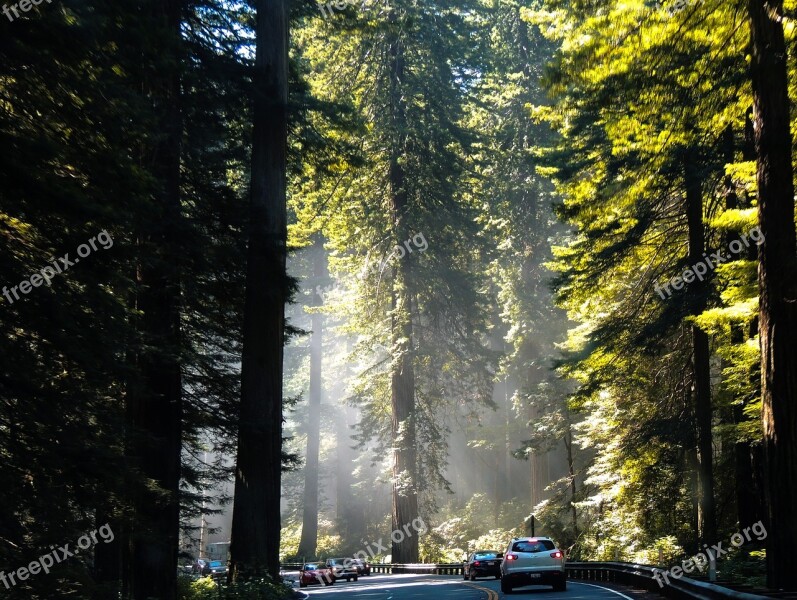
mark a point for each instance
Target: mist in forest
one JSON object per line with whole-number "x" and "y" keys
{"x": 495, "y": 472}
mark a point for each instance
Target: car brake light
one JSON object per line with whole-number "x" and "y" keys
{"x": 556, "y": 554}
{"x": 476, "y": 563}
{"x": 511, "y": 556}
{"x": 534, "y": 540}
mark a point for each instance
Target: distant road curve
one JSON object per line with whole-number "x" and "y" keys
{"x": 450, "y": 587}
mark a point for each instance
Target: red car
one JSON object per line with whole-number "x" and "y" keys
{"x": 315, "y": 573}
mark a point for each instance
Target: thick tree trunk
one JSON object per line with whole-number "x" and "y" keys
{"x": 707, "y": 524}
{"x": 155, "y": 407}
{"x": 538, "y": 460}
{"x": 503, "y": 450}
{"x": 747, "y": 500}
{"x": 402, "y": 385}
{"x": 108, "y": 560}
{"x": 405, "y": 490}
{"x": 777, "y": 278}
{"x": 691, "y": 468}
{"x": 402, "y": 399}
{"x": 256, "y": 512}
{"x": 571, "y": 472}
{"x": 349, "y": 515}
{"x": 540, "y": 470}
{"x": 309, "y": 539}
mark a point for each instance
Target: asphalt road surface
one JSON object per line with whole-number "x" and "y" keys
{"x": 442, "y": 587}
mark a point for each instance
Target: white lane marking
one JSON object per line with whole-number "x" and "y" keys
{"x": 603, "y": 588}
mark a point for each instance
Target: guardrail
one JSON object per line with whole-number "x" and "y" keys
{"x": 419, "y": 569}
{"x": 640, "y": 576}
{"x": 395, "y": 569}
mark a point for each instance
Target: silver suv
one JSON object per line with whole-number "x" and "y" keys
{"x": 533, "y": 561}
{"x": 342, "y": 568}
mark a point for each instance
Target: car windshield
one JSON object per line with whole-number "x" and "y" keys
{"x": 535, "y": 546}
{"x": 356, "y": 561}
{"x": 485, "y": 555}
{"x": 216, "y": 563}
{"x": 311, "y": 567}
{"x": 336, "y": 561}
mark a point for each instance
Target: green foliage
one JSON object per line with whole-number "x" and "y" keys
{"x": 329, "y": 543}
{"x": 465, "y": 529}
{"x": 506, "y": 109}
{"x": 428, "y": 306}
{"x": 435, "y": 548}
{"x": 83, "y": 120}
{"x": 745, "y": 568}
{"x": 207, "y": 589}
{"x": 495, "y": 539}
{"x": 641, "y": 100}
{"x": 203, "y": 588}
{"x": 255, "y": 590}
{"x": 663, "y": 551}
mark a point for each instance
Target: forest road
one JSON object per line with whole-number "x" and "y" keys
{"x": 442, "y": 587}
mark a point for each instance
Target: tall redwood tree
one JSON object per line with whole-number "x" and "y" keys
{"x": 777, "y": 278}
{"x": 256, "y": 512}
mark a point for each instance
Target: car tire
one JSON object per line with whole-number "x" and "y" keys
{"x": 506, "y": 588}
{"x": 355, "y": 578}
{"x": 560, "y": 587}
{"x": 464, "y": 575}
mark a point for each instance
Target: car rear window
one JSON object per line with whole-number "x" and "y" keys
{"x": 485, "y": 555}
{"x": 538, "y": 546}
{"x": 311, "y": 567}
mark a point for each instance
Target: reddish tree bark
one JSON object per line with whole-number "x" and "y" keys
{"x": 777, "y": 278}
